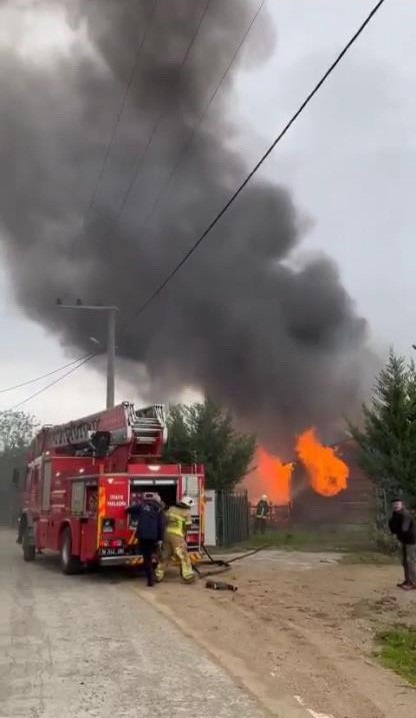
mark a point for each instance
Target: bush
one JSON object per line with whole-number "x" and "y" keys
{"x": 384, "y": 541}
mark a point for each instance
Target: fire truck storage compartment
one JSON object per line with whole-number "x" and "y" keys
{"x": 83, "y": 496}
{"x": 166, "y": 488}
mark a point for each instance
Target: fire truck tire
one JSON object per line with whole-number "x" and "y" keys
{"x": 70, "y": 564}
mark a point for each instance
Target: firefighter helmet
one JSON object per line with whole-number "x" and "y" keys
{"x": 187, "y": 501}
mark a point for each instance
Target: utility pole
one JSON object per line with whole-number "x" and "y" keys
{"x": 111, "y": 341}
{"x": 111, "y": 356}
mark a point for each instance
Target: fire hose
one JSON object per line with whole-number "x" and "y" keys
{"x": 223, "y": 566}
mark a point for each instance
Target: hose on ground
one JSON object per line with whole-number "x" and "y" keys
{"x": 223, "y": 565}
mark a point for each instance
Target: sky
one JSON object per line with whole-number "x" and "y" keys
{"x": 349, "y": 162}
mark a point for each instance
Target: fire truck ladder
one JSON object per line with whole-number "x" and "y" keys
{"x": 147, "y": 423}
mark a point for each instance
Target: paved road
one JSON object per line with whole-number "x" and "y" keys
{"x": 89, "y": 647}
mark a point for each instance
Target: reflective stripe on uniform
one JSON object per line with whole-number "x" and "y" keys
{"x": 138, "y": 560}
{"x": 177, "y": 521}
{"x": 194, "y": 557}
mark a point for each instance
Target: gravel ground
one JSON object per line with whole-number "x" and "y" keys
{"x": 90, "y": 647}
{"x": 301, "y": 629}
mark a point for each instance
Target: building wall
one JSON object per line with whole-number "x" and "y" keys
{"x": 354, "y": 505}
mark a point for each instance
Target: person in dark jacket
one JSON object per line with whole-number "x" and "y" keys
{"x": 402, "y": 524}
{"x": 149, "y": 520}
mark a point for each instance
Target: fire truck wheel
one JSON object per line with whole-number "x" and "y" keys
{"x": 70, "y": 564}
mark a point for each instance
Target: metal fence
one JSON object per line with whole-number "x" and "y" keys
{"x": 279, "y": 515}
{"x": 233, "y": 522}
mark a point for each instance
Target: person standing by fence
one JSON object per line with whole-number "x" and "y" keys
{"x": 262, "y": 515}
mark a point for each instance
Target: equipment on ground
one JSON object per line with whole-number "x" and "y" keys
{"x": 82, "y": 476}
{"x": 223, "y": 565}
{"x": 220, "y": 586}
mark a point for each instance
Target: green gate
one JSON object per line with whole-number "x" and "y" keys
{"x": 232, "y": 517}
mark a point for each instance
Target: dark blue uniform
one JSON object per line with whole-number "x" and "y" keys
{"x": 149, "y": 531}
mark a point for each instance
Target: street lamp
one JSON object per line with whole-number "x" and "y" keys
{"x": 111, "y": 341}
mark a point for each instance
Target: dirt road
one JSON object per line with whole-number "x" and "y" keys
{"x": 301, "y": 627}
{"x": 90, "y": 647}
{"x": 298, "y": 635}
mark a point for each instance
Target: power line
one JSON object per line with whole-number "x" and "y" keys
{"x": 211, "y": 99}
{"x": 87, "y": 358}
{"x": 84, "y": 360}
{"x": 270, "y": 149}
{"x": 52, "y": 383}
{"x": 234, "y": 196}
{"x": 122, "y": 107}
{"x": 43, "y": 376}
{"x": 160, "y": 117}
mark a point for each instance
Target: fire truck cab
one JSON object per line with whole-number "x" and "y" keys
{"x": 82, "y": 476}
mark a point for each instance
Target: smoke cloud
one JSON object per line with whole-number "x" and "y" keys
{"x": 282, "y": 347}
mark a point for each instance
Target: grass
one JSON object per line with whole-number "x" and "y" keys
{"x": 398, "y": 652}
{"x": 344, "y": 539}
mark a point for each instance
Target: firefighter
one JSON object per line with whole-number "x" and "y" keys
{"x": 262, "y": 514}
{"x": 178, "y": 520}
{"x": 149, "y": 530}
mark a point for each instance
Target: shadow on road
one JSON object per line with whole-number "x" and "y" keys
{"x": 109, "y": 574}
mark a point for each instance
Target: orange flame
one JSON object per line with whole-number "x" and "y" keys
{"x": 327, "y": 472}
{"x": 271, "y": 477}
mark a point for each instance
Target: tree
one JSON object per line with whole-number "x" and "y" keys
{"x": 16, "y": 431}
{"x": 388, "y": 436}
{"x": 204, "y": 433}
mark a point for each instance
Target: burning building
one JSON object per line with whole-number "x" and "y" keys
{"x": 324, "y": 485}
{"x": 321, "y": 498}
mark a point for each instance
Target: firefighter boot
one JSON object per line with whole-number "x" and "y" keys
{"x": 181, "y": 551}
{"x": 162, "y": 564}
{"x": 160, "y": 572}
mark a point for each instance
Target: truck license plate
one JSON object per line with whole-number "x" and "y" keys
{"x": 112, "y": 551}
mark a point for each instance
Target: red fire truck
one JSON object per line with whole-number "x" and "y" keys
{"x": 82, "y": 476}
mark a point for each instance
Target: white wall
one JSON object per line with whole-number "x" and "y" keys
{"x": 210, "y": 518}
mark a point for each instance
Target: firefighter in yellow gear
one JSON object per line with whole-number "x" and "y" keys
{"x": 178, "y": 521}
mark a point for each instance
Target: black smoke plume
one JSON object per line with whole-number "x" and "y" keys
{"x": 282, "y": 347}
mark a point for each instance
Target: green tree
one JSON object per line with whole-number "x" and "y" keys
{"x": 387, "y": 437}
{"x": 16, "y": 432}
{"x": 204, "y": 433}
